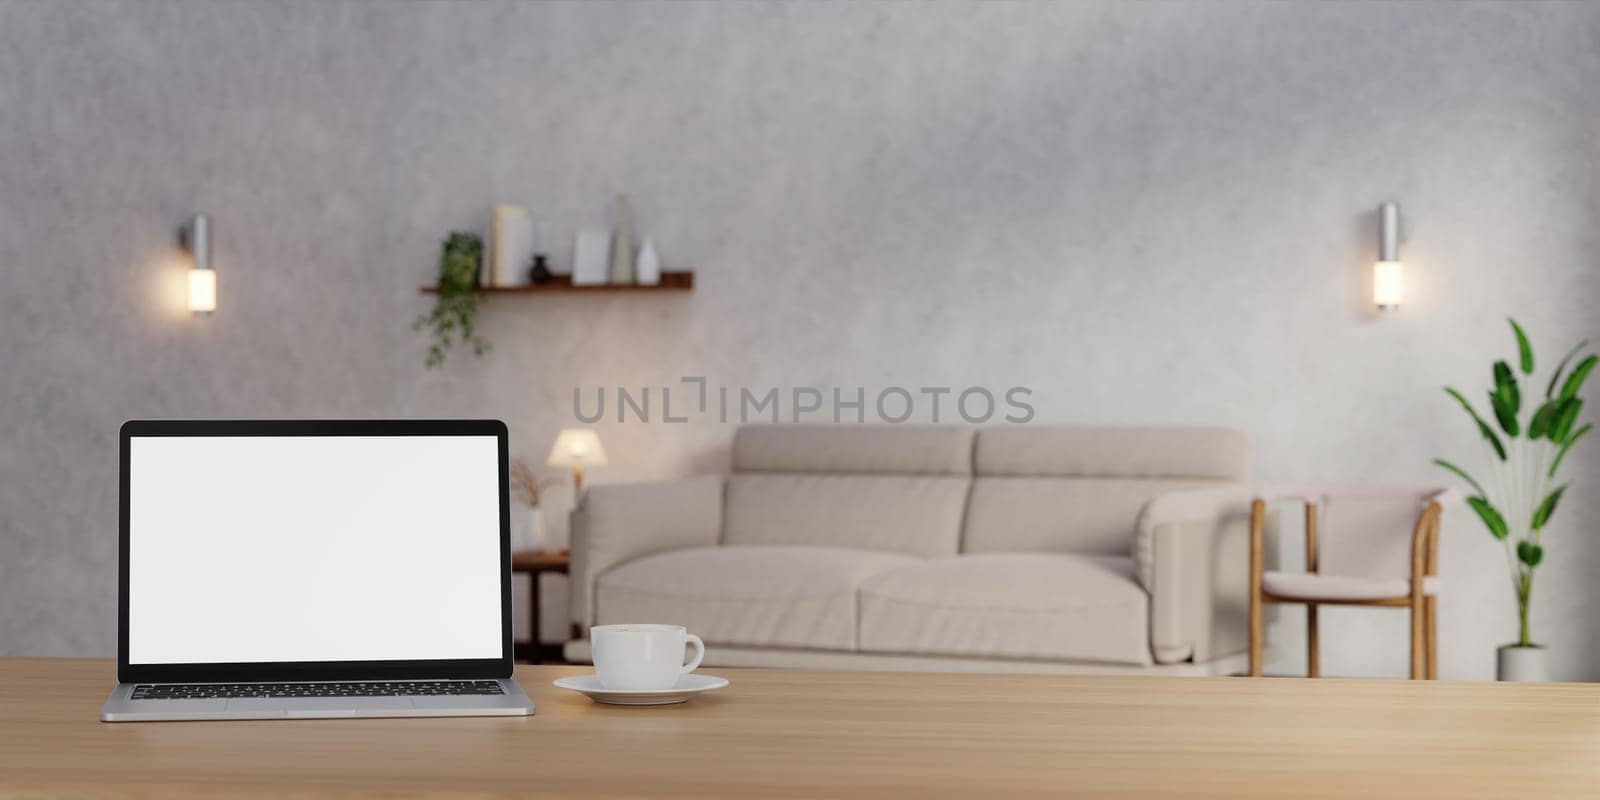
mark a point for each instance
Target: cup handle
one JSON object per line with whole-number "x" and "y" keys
{"x": 699, "y": 652}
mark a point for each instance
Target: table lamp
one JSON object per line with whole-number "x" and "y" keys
{"x": 577, "y": 448}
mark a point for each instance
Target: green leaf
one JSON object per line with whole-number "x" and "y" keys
{"x": 1546, "y": 508}
{"x": 1555, "y": 377}
{"x": 1579, "y": 373}
{"x": 1505, "y": 384}
{"x": 1491, "y": 518}
{"x": 1504, "y": 413}
{"x": 1540, "y": 424}
{"x": 1558, "y": 406}
{"x": 1564, "y": 419}
{"x": 1483, "y": 427}
{"x": 1461, "y": 473}
{"x": 1494, "y": 441}
{"x": 1524, "y": 350}
{"x": 1529, "y": 553}
{"x": 1565, "y": 446}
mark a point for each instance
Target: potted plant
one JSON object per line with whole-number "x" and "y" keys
{"x": 529, "y": 490}
{"x": 456, "y": 310}
{"x": 1520, "y": 495}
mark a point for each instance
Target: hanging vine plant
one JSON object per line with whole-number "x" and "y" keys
{"x": 455, "y": 311}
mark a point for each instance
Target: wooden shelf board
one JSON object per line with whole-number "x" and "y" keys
{"x": 670, "y": 282}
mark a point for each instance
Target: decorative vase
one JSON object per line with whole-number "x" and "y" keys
{"x": 538, "y": 537}
{"x": 511, "y": 244}
{"x": 528, "y": 533}
{"x": 540, "y": 273}
{"x": 648, "y": 272}
{"x": 622, "y": 245}
{"x": 1524, "y": 664}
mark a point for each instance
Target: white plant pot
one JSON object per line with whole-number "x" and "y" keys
{"x": 1525, "y": 664}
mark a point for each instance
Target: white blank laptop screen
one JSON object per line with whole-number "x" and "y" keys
{"x": 313, "y": 548}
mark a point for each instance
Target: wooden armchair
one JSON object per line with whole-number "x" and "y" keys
{"x": 1357, "y": 553}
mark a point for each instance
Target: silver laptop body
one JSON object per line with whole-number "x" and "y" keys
{"x": 311, "y": 569}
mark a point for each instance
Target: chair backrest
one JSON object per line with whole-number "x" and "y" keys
{"x": 1080, "y": 489}
{"x": 1365, "y": 531}
{"x": 890, "y": 488}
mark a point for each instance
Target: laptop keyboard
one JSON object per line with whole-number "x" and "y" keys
{"x": 215, "y": 691}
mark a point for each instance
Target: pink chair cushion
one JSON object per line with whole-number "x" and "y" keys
{"x": 1311, "y": 586}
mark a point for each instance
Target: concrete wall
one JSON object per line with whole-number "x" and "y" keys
{"x": 1146, "y": 213}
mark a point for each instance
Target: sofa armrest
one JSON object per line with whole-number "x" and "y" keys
{"x": 1192, "y": 554}
{"x": 615, "y": 523}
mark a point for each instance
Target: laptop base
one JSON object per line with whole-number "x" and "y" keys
{"x": 120, "y": 707}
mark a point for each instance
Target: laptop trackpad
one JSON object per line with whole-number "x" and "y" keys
{"x": 316, "y": 704}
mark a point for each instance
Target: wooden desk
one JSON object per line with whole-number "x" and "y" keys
{"x": 778, "y": 733}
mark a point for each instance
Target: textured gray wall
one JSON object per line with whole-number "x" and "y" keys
{"x": 1145, "y": 212}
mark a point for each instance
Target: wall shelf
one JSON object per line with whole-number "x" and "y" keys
{"x": 670, "y": 282}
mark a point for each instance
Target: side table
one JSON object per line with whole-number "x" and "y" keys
{"x": 534, "y": 564}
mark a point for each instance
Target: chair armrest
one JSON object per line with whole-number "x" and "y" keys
{"x": 1192, "y": 554}
{"x": 616, "y": 523}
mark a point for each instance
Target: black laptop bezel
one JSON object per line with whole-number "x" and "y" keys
{"x": 317, "y": 670}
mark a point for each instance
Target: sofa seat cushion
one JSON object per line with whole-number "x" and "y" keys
{"x": 1010, "y": 605}
{"x": 756, "y": 596}
{"x": 1312, "y": 586}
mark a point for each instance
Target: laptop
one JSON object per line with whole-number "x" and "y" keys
{"x": 314, "y": 569}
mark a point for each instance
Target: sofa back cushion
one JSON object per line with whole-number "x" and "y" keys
{"x": 1080, "y": 489}
{"x": 854, "y": 449}
{"x": 891, "y": 489}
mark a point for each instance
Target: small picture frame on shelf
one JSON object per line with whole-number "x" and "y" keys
{"x": 591, "y": 257}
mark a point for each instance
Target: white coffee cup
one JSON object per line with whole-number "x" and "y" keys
{"x": 642, "y": 658}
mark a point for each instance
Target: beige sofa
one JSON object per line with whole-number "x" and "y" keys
{"x": 1007, "y": 549}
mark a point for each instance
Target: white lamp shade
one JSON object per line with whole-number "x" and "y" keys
{"x": 1388, "y": 284}
{"x": 202, "y": 290}
{"x": 577, "y": 447}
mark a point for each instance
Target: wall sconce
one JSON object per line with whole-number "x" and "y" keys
{"x": 1388, "y": 275}
{"x": 202, "y": 278}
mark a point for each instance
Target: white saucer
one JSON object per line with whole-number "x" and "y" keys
{"x": 688, "y": 686}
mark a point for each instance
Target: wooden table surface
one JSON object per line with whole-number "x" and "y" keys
{"x": 779, "y": 733}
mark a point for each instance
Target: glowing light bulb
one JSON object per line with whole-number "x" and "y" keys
{"x": 1388, "y": 275}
